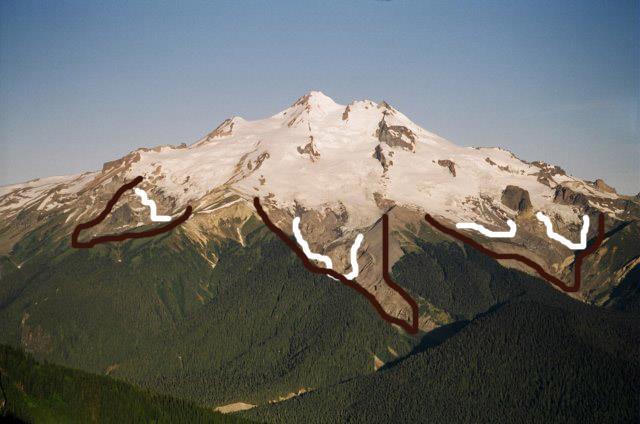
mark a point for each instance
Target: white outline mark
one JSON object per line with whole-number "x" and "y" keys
{"x": 151, "y": 205}
{"x": 557, "y": 237}
{"x": 325, "y": 259}
{"x": 493, "y": 234}
{"x": 354, "y": 258}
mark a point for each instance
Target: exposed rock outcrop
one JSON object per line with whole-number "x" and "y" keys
{"x": 547, "y": 172}
{"x": 396, "y": 136}
{"x": 382, "y": 202}
{"x": 565, "y": 196}
{"x": 516, "y": 198}
{"x": 309, "y": 149}
{"x": 123, "y": 215}
{"x": 345, "y": 114}
{"x": 225, "y": 128}
{"x": 549, "y": 169}
{"x": 121, "y": 163}
{"x": 448, "y": 164}
{"x": 380, "y": 156}
{"x": 602, "y": 186}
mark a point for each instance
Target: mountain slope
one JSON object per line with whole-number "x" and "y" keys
{"x": 220, "y": 311}
{"x": 47, "y": 393}
{"x": 338, "y": 168}
{"x": 154, "y": 312}
{"x": 524, "y": 362}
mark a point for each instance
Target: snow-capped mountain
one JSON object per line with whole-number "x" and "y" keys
{"x": 339, "y": 168}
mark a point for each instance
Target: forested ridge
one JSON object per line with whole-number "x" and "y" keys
{"x": 270, "y": 328}
{"x": 259, "y": 326}
{"x": 154, "y": 313}
{"x": 535, "y": 356}
{"x": 48, "y": 393}
{"x": 524, "y": 362}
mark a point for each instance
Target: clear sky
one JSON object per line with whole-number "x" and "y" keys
{"x": 85, "y": 82}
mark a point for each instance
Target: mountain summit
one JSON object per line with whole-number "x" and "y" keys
{"x": 316, "y": 100}
{"x": 339, "y": 168}
{"x": 312, "y": 107}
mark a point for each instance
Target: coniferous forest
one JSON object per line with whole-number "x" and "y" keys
{"x": 48, "y": 393}
{"x": 258, "y": 326}
{"x": 535, "y": 356}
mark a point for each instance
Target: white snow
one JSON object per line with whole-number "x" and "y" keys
{"x": 262, "y": 157}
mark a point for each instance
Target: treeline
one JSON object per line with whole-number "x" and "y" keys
{"x": 36, "y": 392}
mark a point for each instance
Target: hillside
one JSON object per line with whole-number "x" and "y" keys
{"x": 525, "y": 361}
{"x": 47, "y": 393}
{"x": 339, "y": 168}
{"x": 255, "y": 327}
{"x": 220, "y": 311}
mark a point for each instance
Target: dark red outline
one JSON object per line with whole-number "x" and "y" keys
{"x": 410, "y": 328}
{"x": 124, "y": 236}
{"x": 514, "y": 256}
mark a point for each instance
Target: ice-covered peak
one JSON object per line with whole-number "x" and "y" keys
{"x": 316, "y": 100}
{"x": 302, "y": 154}
{"x": 313, "y": 106}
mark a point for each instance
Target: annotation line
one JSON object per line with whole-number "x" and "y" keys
{"x": 411, "y": 328}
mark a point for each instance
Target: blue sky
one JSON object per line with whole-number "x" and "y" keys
{"x": 82, "y": 83}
